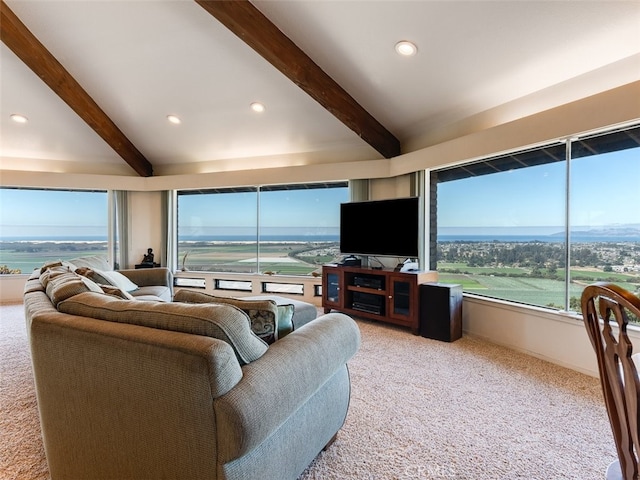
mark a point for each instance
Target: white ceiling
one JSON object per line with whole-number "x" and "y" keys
{"x": 143, "y": 60}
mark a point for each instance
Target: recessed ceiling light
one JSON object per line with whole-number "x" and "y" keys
{"x": 257, "y": 107}
{"x": 16, "y": 117}
{"x": 174, "y": 119}
{"x": 406, "y": 48}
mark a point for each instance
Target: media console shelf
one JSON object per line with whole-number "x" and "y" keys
{"x": 386, "y": 295}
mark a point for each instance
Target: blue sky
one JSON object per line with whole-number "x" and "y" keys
{"x": 605, "y": 190}
{"x": 59, "y": 213}
{"x": 316, "y": 208}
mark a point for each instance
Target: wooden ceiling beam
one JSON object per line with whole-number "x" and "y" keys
{"x": 27, "y": 47}
{"x": 257, "y": 31}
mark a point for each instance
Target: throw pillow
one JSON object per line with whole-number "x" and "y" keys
{"x": 262, "y": 313}
{"x": 116, "y": 279}
{"x": 95, "y": 262}
{"x": 103, "y": 283}
{"x": 224, "y": 322}
{"x": 91, "y": 285}
{"x": 49, "y": 265}
{"x": 93, "y": 275}
{"x": 51, "y": 272}
{"x": 285, "y": 319}
{"x": 116, "y": 292}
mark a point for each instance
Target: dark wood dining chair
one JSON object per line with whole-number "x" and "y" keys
{"x": 607, "y": 309}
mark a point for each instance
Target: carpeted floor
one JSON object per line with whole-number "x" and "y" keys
{"x": 21, "y": 450}
{"x": 420, "y": 409}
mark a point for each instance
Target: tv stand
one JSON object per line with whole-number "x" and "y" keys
{"x": 376, "y": 294}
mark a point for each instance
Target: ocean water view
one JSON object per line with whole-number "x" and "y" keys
{"x": 575, "y": 237}
{"x": 263, "y": 238}
{"x": 55, "y": 238}
{"x": 188, "y": 238}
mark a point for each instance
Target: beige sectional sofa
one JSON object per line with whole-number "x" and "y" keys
{"x": 150, "y": 389}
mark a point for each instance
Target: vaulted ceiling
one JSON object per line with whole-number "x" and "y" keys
{"x": 97, "y": 79}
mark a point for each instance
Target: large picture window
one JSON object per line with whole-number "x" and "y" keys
{"x": 283, "y": 229}
{"x": 536, "y": 227}
{"x": 217, "y": 230}
{"x": 38, "y": 226}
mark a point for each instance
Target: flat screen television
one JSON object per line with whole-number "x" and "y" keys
{"x": 387, "y": 228}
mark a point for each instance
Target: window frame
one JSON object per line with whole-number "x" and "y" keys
{"x": 257, "y": 227}
{"x": 598, "y": 142}
{"x": 108, "y": 231}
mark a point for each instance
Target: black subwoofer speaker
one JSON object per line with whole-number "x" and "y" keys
{"x": 441, "y": 311}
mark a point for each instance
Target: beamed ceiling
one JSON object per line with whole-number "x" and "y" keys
{"x": 97, "y": 79}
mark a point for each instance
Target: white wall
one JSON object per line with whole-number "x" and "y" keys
{"x": 393, "y": 187}
{"x": 559, "y": 338}
{"x": 611, "y": 108}
{"x": 145, "y": 226}
{"x": 12, "y": 288}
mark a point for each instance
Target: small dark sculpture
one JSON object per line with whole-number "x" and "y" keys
{"x": 148, "y": 258}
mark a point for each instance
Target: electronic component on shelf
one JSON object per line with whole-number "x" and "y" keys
{"x": 350, "y": 261}
{"x": 367, "y": 281}
{"x": 368, "y": 302}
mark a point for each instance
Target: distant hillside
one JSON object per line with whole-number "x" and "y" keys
{"x": 629, "y": 230}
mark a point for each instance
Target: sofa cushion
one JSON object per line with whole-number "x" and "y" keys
{"x": 224, "y": 322}
{"x": 50, "y": 265}
{"x": 52, "y": 271}
{"x": 60, "y": 286}
{"x": 265, "y": 315}
{"x": 56, "y": 264}
{"x": 33, "y": 285}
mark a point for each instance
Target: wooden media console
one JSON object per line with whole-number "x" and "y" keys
{"x": 386, "y": 295}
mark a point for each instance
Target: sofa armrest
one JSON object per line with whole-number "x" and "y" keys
{"x": 148, "y": 277}
{"x": 282, "y": 380}
{"x": 126, "y": 401}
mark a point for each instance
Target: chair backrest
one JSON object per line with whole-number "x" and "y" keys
{"x": 602, "y": 305}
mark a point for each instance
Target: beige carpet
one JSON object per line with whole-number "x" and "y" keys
{"x": 21, "y": 450}
{"x": 420, "y": 409}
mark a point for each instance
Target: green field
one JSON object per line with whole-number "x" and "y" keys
{"x": 508, "y": 283}
{"x": 280, "y": 258}
{"x": 514, "y": 283}
{"x": 277, "y": 258}
{"x": 534, "y": 291}
{"x": 27, "y": 256}
{"x": 482, "y": 270}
